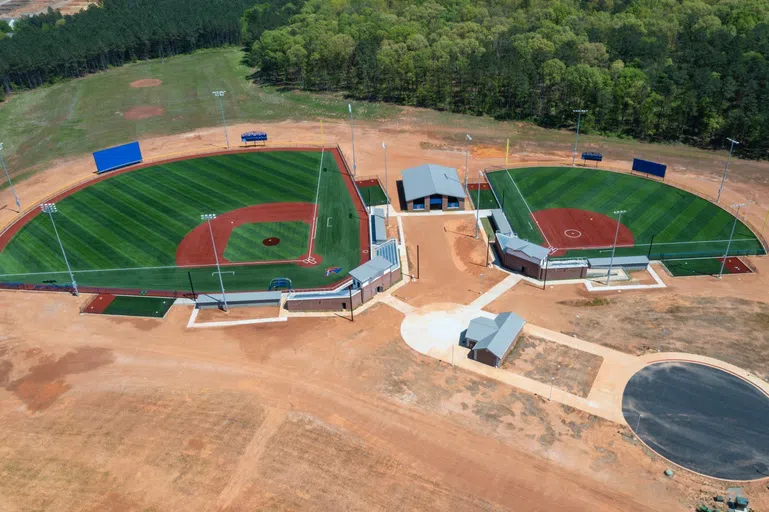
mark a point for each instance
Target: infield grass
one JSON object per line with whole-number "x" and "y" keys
{"x": 247, "y": 241}
{"x": 665, "y": 221}
{"x": 123, "y": 232}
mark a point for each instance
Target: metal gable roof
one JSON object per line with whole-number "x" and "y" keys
{"x": 511, "y": 243}
{"x": 428, "y": 179}
{"x": 371, "y": 269}
{"x": 509, "y": 326}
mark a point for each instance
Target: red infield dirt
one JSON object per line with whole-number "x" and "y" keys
{"x": 571, "y": 228}
{"x": 99, "y": 304}
{"x": 146, "y": 82}
{"x": 367, "y": 183}
{"x": 143, "y": 112}
{"x": 196, "y": 249}
{"x": 476, "y": 186}
{"x": 736, "y": 266}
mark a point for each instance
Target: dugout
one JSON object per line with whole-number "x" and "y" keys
{"x": 235, "y": 300}
{"x": 432, "y": 187}
{"x": 368, "y": 279}
{"x": 501, "y": 225}
{"x": 378, "y": 228}
{"x": 624, "y": 262}
{"x": 532, "y": 260}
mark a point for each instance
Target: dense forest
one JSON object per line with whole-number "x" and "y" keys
{"x": 693, "y": 71}
{"x": 667, "y": 70}
{"x": 50, "y": 47}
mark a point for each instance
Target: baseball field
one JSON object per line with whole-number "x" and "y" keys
{"x": 279, "y": 214}
{"x": 573, "y": 210}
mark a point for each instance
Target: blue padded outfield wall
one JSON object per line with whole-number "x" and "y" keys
{"x": 117, "y": 157}
{"x": 648, "y": 167}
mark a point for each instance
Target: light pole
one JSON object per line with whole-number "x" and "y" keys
{"x": 18, "y": 204}
{"x": 478, "y": 205}
{"x": 352, "y": 130}
{"x": 480, "y": 285}
{"x": 467, "y": 157}
{"x": 576, "y": 141}
{"x": 731, "y": 237}
{"x": 614, "y": 247}
{"x": 208, "y": 217}
{"x": 387, "y": 195}
{"x": 663, "y": 333}
{"x": 220, "y": 95}
{"x": 726, "y": 168}
{"x": 50, "y": 209}
{"x": 552, "y": 382}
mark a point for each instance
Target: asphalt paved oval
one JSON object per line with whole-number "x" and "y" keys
{"x": 701, "y": 418}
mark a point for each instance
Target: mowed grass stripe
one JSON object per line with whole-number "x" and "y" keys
{"x": 654, "y": 209}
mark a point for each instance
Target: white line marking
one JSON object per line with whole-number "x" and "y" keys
{"x": 527, "y": 207}
{"x": 317, "y": 194}
{"x": 328, "y": 222}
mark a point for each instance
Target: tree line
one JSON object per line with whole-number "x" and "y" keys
{"x": 50, "y": 47}
{"x": 661, "y": 70}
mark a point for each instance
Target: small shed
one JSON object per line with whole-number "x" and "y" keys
{"x": 490, "y": 341}
{"x": 432, "y": 187}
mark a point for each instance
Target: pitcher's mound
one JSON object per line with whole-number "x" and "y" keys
{"x": 146, "y": 82}
{"x": 143, "y": 112}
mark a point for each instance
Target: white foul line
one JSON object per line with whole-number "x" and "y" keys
{"x": 317, "y": 193}
{"x": 527, "y": 207}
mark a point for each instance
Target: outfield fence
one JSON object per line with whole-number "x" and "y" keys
{"x": 11, "y": 281}
{"x": 670, "y": 181}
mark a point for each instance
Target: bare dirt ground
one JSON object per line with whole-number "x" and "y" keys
{"x": 218, "y": 315}
{"x": 317, "y": 414}
{"x": 143, "y": 112}
{"x": 566, "y": 368}
{"x": 453, "y": 260}
{"x": 16, "y": 8}
{"x": 146, "y": 82}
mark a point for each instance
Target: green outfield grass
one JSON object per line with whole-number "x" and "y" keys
{"x": 246, "y": 242}
{"x": 137, "y": 220}
{"x": 373, "y": 195}
{"x": 152, "y": 307}
{"x": 665, "y": 221}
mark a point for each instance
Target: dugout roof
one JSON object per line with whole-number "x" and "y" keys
{"x": 371, "y": 269}
{"x": 429, "y": 179}
{"x": 512, "y": 244}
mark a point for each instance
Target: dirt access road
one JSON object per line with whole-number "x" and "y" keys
{"x": 109, "y": 414}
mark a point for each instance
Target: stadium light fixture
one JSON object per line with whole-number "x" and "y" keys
{"x": 219, "y": 95}
{"x": 387, "y": 195}
{"x": 352, "y": 130}
{"x": 731, "y": 237}
{"x": 18, "y": 204}
{"x": 618, "y": 213}
{"x": 208, "y": 217}
{"x": 726, "y": 168}
{"x": 467, "y": 157}
{"x": 50, "y": 209}
{"x": 576, "y": 141}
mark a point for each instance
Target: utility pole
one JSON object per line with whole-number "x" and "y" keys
{"x": 50, "y": 209}
{"x": 467, "y": 157}
{"x": 208, "y": 217}
{"x": 478, "y": 205}
{"x": 352, "y": 129}
{"x": 352, "y": 308}
{"x": 731, "y": 237}
{"x": 220, "y": 95}
{"x": 387, "y": 194}
{"x": 576, "y": 141}
{"x": 726, "y": 168}
{"x": 18, "y": 204}
{"x": 614, "y": 247}
{"x": 480, "y": 285}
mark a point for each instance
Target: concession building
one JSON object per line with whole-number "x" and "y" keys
{"x": 490, "y": 341}
{"x": 432, "y": 187}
